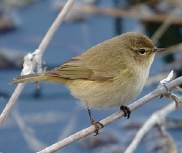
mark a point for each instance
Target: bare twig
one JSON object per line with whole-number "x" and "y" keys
{"x": 55, "y": 25}
{"x": 36, "y": 61}
{"x": 174, "y": 48}
{"x": 155, "y": 79}
{"x": 37, "y": 55}
{"x": 157, "y": 118}
{"x": 11, "y": 102}
{"x": 169, "y": 142}
{"x": 32, "y": 142}
{"x": 169, "y": 20}
{"x": 161, "y": 90}
{"x": 121, "y": 13}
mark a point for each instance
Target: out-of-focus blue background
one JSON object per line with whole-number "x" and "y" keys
{"x": 51, "y": 113}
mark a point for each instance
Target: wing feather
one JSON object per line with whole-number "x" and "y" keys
{"x": 76, "y": 68}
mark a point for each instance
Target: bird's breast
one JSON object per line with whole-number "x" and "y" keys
{"x": 112, "y": 93}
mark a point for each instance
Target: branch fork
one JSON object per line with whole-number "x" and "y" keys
{"x": 177, "y": 99}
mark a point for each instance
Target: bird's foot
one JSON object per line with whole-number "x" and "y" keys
{"x": 97, "y": 126}
{"x": 126, "y": 111}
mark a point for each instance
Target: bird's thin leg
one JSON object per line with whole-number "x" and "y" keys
{"x": 126, "y": 111}
{"x": 97, "y": 125}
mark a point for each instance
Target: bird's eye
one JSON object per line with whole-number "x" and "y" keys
{"x": 142, "y": 51}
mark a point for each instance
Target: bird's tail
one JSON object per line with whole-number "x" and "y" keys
{"x": 30, "y": 78}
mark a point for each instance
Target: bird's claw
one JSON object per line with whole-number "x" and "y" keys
{"x": 97, "y": 126}
{"x": 126, "y": 111}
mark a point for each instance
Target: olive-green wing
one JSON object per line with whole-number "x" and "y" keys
{"x": 77, "y": 68}
{"x": 102, "y": 62}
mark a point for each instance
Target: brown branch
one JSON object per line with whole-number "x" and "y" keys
{"x": 126, "y": 13}
{"x": 165, "y": 25}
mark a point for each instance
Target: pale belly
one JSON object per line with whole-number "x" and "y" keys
{"x": 107, "y": 94}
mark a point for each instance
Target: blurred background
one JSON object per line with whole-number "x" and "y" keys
{"x": 44, "y": 116}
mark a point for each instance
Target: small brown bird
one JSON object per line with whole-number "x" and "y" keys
{"x": 110, "y": 74}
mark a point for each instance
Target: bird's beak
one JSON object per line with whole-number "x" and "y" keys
{"x": 159, "y": 50}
